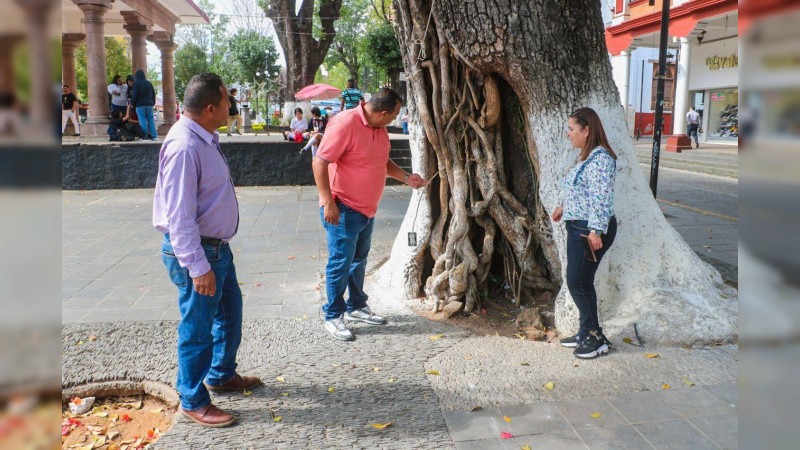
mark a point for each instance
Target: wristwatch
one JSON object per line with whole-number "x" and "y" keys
{"x": 597, "y": 232}
{"x": 406, "y": 179}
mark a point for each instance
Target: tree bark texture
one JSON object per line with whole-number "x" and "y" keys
{"x": 491, "y": 84}
{"x": 304, "y": 53}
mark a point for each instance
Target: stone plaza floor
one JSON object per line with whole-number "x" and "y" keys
{"x": 115, "y": 287}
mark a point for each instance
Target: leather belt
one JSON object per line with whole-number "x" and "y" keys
{"x": 212, "y": 241}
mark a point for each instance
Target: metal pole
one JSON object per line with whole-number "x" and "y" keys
{"x": 662, "y": 70}
{"x": 641, "y": 99}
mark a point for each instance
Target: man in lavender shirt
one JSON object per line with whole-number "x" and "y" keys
{"x": 195, "y": 207}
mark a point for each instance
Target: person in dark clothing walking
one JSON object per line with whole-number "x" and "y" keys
{"x": 234, "y": 119}
{"x": 351, "y": 97}
{"x": 143, "y": 99}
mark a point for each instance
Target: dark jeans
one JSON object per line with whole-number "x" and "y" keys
{"x": 692, "y": 131}
{"x": 210, "y": 330}
{"x": 581, "y": 271}
{"x": 348, "y": 247}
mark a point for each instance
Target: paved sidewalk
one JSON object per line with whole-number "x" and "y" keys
{"x": 114, "y": 286}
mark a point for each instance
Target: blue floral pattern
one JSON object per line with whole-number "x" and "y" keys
{"x": 588, "y": 190}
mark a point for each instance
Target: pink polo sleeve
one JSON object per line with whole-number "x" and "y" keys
{"x": 336, "y": 140}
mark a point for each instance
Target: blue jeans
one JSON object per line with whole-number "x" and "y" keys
{"x": 581, "y": 271}
{"x": 692, "y": 131}
{"x": 405, "y": 127}
{"x": 211, "y": 327}
{"x": 348, "y": 247}
{"x": 147, "y": 121}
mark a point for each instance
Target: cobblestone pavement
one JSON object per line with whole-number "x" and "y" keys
{"x": 114, "y": 287}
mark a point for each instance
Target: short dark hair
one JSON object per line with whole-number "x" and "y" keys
{"x": 116, "y": 77}
{"x": 298, "y": 110}
{"x": 234, "y": 90}
{"x": 315, "y": 111}
{"x": 351, "y": 81}
{"x": 203, "y": 90}
{"x": 66, "y": 86}
{"x": 385, "y": 100}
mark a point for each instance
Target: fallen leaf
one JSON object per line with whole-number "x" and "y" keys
{"x": 285, "y": 394}
{"x": 506, "y": 435}
{"x": 687, "y": 382}
{"x": 507, "y": 419}
{"x": 666, "y": 386}
{"x": 313, "y": 257}
{"x": 468, "y": 357}
{"x": 651, "y": 355}
{"x": 151, "y": 434}
{"x": 156, "y": 411}
{"x": 281, "y": 379}
{"x": 126, "y": 418}
{"x": 258, "y": 284}
{"x": 336, "y": 365}
{"x": 277, "y": 418}
{"x": 238, "y": 249}
{"x": 436, "y": 337}
{"x": 113, "y": 434}
{"x": 627, "y": 340}
{"x": 290, "y": 257}
{"x": 525, "y": 364}
{"x": 241, "y": 284}
{"x": 706, "y": 246}
{"x": 375, "y": 369}
{"x": 476, "y": 408}
{"x": 331, "y": 389}
{"x": 80, "y": 342}
{"x": 595, "y": 415}
{"x": 101, "y": 414}
{"x": 246, "y": 392}
{"x": 391, "y": 380}
{"x": 433, "y": 372}
{"x": 92, "y": 338}
{"x": 549, "y": 386}
{"x": 526, "y": 447}
{"x": 380, "y": 426}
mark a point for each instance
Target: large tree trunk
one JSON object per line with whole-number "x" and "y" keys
{"x": 304, "y": 54}
{"x": 491, "y": 84}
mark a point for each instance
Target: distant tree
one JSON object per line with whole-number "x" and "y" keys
{"x": 252, "y": 59}
{"x": 304, "y": 44}
{"x": 350, "y": 28}
{"x": 383, "y": 51}
{"x": 190, "y": 60}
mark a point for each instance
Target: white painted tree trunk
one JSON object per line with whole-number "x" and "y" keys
{"x": 650, "y": 277}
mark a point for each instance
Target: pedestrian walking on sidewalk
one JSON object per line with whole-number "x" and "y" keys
{"x": 350, "y": 169}
{"x": 693, "y": 124}
{"x": 69, "y": 110}
{"x": 195, "y": 207}
{"x": 235, "y": 121}
{"x": 143, "y": 99}
{"x": 587, "y": 199}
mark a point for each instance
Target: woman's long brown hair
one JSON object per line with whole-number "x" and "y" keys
{"x": 587, "y": 117}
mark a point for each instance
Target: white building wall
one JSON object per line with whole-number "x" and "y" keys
{"x": 701, "y": 77}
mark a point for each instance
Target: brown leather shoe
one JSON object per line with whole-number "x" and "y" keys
{"x": 209, "y": 416}
{"x": 237, "y": 383}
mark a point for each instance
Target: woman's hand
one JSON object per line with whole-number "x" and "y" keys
{"x": 595, "y": 242}
{"x": 558, "y": 213}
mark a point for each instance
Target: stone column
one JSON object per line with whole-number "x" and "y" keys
{"x": 621, "y": 71}
{"x": 681, "y": 106}
{"x": 8, "y": 82}
{"x": 167, "y": 49}
{"x": 69, "y": 42}
{"x": 93, "y": 13}
{"x": 36, "y": 14}
{"x": 138, "y": 35}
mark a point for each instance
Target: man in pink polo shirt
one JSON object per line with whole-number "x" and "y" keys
{"x": 350, "y": 169}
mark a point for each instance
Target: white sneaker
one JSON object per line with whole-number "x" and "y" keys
{"x": 364, "y": 315}
{"x": 338, "y": 329}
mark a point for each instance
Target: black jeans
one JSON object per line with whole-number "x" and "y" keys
{"x": 692, "y": 131}
{"x": 581, "y": 271}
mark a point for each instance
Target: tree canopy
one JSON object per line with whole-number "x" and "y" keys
{"x": 117, "y": 62}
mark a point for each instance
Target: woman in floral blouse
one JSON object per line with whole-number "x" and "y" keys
{"x": 587, "y": 199}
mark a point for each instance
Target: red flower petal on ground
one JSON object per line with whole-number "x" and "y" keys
{"x": 64, "y": 430}
{"x": 126, "y": 418}
{"x": 506, "y": 435}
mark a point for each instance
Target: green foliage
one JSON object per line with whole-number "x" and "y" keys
{"x": 337, "y": 76}
{"x": 252, "y": 58}
{"x": 381, "y": 47}
{"x": 276, "y": 121}
{"x": 117, "y": 62}
{"x": 350, "y": 28}
{"x": 190, "y": 60}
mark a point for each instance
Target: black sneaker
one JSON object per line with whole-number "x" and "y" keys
{"x": 592, "y": 347}
{"x": 604, "y": 339}
{"x": 570, "y": 342}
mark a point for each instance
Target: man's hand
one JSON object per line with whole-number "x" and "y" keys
{"x": 416, "y": 181}
{"x": 595, "y": 242}
{"x": 206, "y": 284}
{"x": 331, "y": 213}
{"x": 558, "y": 213}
